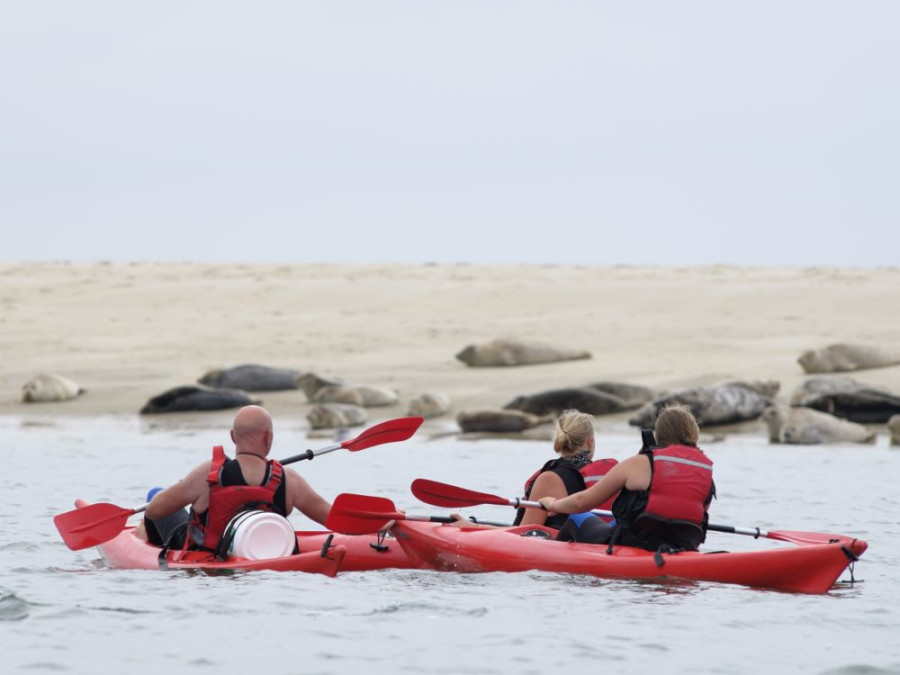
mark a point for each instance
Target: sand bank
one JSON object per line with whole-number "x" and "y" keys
{"x": 128, "y": 331}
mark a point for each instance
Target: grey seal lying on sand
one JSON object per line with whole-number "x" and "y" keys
{"x": 335, "y": 415}
{"x": 554, "y": 401}
{"x": 251, "y": 377}
{"x": 429, "y": 404}
{"x": 321, "y": 390}
{"x": 841, "y": 357}
{"x": 846, "y": 398}
{"x": 714, "y": 405}
{"x": 500, "y": 421}
{"x": 49, "y": 387}
{"x": 631, "y": 395}
{"x": 893, "y": 426}
{"x": 193, "y": 398}
{"x": 804, "y": 426}
{"x": 504, "y": 352}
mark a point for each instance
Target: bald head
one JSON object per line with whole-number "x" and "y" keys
{"x": 252, "y": 430}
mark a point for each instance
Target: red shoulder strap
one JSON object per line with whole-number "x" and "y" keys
{"x": 218, "y": 459}
{"x": 275, "y": 474}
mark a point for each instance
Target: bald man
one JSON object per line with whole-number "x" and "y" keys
{"x": 218, "y": 489}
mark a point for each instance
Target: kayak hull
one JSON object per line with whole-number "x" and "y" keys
{"x": 128, "y": 552}
{"x": 349, "y": 553}
{"x": 801, "y": 569}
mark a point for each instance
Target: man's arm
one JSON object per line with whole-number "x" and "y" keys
{"x": 185, "y": 492}
{"x": 302, "y": 497}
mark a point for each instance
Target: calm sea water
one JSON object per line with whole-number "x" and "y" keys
{"x": 63, "y": 612}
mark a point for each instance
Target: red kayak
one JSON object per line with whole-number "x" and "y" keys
{"x": 349, "y": 553}
{"x": 812, "y": 568}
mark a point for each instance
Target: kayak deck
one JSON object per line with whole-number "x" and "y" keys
{"x": 348, "y": 553}
{"x": 810, "y": 568}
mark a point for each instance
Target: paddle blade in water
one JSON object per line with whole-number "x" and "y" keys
{"x": 391, "y": 431}
{"x": 442, "y": 494}
{"x": 360, "y": 514}
{"x": 91, "y": 525}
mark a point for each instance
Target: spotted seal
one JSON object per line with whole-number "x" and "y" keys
{"x": 714, "y": 405}
{"x": 506, "y": 352}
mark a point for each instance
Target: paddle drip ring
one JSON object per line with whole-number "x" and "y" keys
{"x": 379, "y": 545}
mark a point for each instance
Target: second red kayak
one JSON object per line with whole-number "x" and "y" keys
{"x": 801, "y": 569}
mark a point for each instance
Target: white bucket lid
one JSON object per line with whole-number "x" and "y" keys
{"x": 260, "y": 535}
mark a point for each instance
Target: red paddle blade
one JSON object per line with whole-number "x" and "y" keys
{"x": 441, "y": 494}
{"x": 807, "y": 538}
{"x": 391, "y": 431}
{"x": 360, "y": 514}
{"x": 91, "y": 525}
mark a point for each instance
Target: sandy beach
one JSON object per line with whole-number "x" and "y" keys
{"x": 129, "y": 331}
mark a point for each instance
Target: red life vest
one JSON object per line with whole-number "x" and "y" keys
{"x": 225, "y": 501}
{"x": 680, "y": 486}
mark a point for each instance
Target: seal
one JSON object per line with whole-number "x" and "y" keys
{"x": 848, "y": 399}
{"x": 715, "y": 405}
{"x": 805, "y": 426}
{"x": 631, "y": 395}
{"x": 196, "y": 398}
{"x": 815, "y": 387}
{"x": 251, "y": 377}
{"x": 310, "y": 383}
{"x": 554, "y": 401}
{"x": 364, "y": 395}
{"x": 322, "y": 390}
{"x": 842, "y": 357}
{"x": 506, "y": 352}
{"x": 499, "y": 421}
{"x": 335, "y": 415}
{"x": 48, "y": 388}
{"x": 893, "y": 426}
{"x": 428, "y": 404}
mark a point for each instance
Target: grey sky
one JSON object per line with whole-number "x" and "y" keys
{"x": 651, "y": 132}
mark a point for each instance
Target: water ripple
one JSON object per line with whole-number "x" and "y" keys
{"x": 426, "y": 608}
{"x": 13, "y": 608}
{"x": 863, "y": 669}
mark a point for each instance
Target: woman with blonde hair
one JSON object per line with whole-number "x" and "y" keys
{"x": 664, "y": 491}
{"x": 571, "y": 472}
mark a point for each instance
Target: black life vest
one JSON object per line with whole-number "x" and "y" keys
{"x": 576, "y": 476}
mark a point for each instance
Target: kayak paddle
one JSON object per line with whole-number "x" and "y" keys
{"x": 97, "y": 523}
{"x": 361, "y": 514}
{"x": 442, "y": 494}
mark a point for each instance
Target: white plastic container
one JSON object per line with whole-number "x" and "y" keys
{"x": 259, "y": 535}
